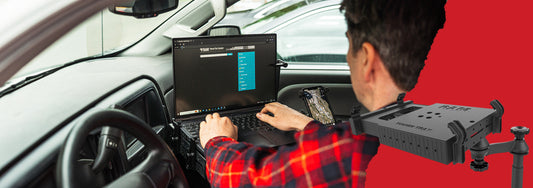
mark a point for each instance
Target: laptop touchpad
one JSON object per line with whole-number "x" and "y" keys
{"x": 256, "y": 139}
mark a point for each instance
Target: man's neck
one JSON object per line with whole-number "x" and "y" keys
{"x": 382, "y": 99}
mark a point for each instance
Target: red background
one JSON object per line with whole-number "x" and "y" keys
{"x": 483, "y": 53}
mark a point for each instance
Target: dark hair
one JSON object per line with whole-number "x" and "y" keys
{"x": 401, "y": 31}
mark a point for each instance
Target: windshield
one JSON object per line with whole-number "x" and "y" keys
{"x": 102, "y": 33}
{"x": 308, "y": 31}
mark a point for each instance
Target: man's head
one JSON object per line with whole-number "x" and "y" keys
{"x": 391, "y": 38}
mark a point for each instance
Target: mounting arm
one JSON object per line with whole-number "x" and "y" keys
{"x": 518, "y": 147}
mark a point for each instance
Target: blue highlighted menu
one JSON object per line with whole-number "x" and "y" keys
{"x": 246, "y": 71}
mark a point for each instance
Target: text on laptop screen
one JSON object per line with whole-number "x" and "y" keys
{"x": 222, "y": 73}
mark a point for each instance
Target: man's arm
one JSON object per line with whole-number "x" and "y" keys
{"x": 283, "y": 117}
{"x": 321, "y": 156}
{"x": 227, "y": 159}
{"x": 236, "y": 164}
{"x": 315, "y": 158}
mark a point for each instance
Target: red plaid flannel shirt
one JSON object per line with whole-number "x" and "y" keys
{"x": 321, "y": 157}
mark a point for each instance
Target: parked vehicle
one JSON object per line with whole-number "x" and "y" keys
{"x": 64, "y": 64}
{"x": 308, "y": 31}
{"x": 313, "y": 33}
{"x": 245, "y": 17}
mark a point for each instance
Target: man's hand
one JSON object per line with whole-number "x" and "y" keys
{"x": 285, "y": 118}
{"x": 214, "y": 126}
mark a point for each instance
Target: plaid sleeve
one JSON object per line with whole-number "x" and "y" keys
{"x": 321, "y": 157}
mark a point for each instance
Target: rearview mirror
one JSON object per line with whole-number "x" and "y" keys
{"x": 143, "y": 8}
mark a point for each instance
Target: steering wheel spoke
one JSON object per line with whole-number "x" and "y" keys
{"x": 159, "y": 169}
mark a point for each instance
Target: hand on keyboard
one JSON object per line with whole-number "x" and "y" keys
{"x": 283, "y": 117}
{"x": 214, "y": 126}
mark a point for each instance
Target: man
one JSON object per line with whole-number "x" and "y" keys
{"x": 389, "y": 41}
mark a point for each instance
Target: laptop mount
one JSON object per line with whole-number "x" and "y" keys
{"x": 421, "y": 130}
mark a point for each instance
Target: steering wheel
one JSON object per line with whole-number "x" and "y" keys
{"x": 159, "y": 169}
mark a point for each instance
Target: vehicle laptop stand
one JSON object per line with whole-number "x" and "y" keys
{"x": 231, "y": 75}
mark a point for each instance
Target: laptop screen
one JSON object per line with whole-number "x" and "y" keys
{"x": 224, "y": 72}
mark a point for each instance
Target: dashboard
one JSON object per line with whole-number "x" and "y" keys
{"x": 134, "y": 86}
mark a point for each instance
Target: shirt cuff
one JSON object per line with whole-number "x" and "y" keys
{"x": 215, "y": 140}
{"x": 315, "y": 124}
{"x": 310, "y": 127}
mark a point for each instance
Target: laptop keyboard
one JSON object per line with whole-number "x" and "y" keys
{"x": 249, "y": 121}
{"x": 247, "y": 124}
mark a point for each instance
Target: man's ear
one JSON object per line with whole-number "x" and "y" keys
{"x": 370, "y": 62}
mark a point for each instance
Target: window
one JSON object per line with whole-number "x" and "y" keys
{"x": 316, "y": 36}
{"x": 100, "y": 34}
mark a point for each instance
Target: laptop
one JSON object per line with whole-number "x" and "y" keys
{"x": 234, "y": 76}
